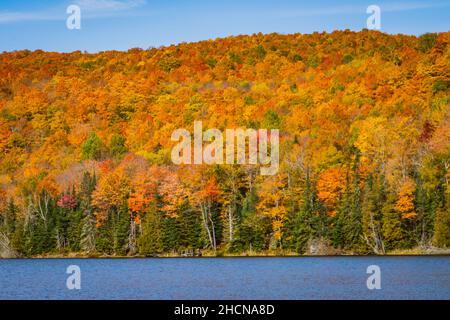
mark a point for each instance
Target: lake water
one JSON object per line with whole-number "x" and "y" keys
{"x": 228, "y": 278}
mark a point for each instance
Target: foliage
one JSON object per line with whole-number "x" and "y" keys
{"x": 364, "y": 146}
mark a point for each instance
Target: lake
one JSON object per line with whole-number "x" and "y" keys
{"x": 412, "y": 277}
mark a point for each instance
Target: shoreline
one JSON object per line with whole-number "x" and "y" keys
{"x": 415, "y": 252}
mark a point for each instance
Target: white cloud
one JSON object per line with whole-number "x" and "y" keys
{"x": 407, "y": 6}
{"x": 353, "y": 9}
{"x": 109, "y": 5}
{"x": 7, "y": 16}
{"x": 89, "y": 9}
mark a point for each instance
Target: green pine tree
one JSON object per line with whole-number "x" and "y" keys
{"x": 88, "y": 232}
{"x": 391, "y": 229}
{"x": 151, "y": 239}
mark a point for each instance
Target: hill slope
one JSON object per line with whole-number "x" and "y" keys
{"x": 364, "y": 132}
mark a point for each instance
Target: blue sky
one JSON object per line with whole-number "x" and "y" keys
{"x": 124, "y": 24}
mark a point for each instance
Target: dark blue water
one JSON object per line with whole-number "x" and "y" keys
{"x": 228, "y": 278}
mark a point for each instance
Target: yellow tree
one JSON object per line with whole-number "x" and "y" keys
{"x": 330, "y": 186}
{"x": 405, "y": 200}
{"x": 111, "y": 193}
{"x": 272, "y": 198}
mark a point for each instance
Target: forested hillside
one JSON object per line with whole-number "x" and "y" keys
{"x": 364, "y": 146}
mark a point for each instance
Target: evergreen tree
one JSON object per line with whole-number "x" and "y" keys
{"x": 151, "y": 239}
{"x": 92, "y": 148}
{"x": 391, "y": 229}
{"x": 88, "y": 222}
{"x": 10, "y": 218}
{"x": 304, "y": 229}
{"x": 117, "y": 146}
{"x": 190, "y": 228}
{"x": 88, "y": 233}
{"x": 121, "y": 230}
{"x": 309, "y": 219}
{"x": 442, "y": 228}
{"x": 348, "y": 221}
{"x": 104, "y": 239}
{"x": 253, "y": 233}
{"x": 171, "y": 234}
{"x": 374, "y": 197}
{"x": 442, "y": 223}
{"x": 424, "y": 208}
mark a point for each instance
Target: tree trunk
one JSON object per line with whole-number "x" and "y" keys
{"x": 230, "y": 224}
{"x": 205, "y": 222}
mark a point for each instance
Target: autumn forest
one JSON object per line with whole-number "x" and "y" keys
{"x": 364, "y": 132}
